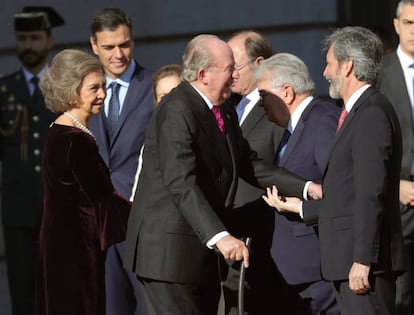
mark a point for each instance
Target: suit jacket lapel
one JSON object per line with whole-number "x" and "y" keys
{"x": 398, "y": 84}
{"x": 296, "y": 135}
{"x": 130, "y": 102}
{"x": 348, "y": 120}
{"x": 208, "y": 122}
{"x": 252, "y": 120}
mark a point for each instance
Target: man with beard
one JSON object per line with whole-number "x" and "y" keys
{"x": 359, "y": 224}
{"x": 23, "y": 122}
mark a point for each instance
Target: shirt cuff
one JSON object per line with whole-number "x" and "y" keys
{"x": 212, "y": 242}
{"x": 301, "y": 209}
{"x": 305, "y": 190}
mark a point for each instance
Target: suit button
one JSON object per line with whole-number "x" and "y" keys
{"x": 35, "y": 118}
{"x": 36, "y": 135}
{"x": 220, "y": 180}
{"x": 36, "y": 152}
{"x": 37, "y": 168}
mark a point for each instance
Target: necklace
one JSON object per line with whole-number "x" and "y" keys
{"x": 79, "y": 124}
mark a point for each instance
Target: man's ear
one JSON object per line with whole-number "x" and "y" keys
{"x": 93, "y": 45}
{"x": 348, "y": 67}
{"x": 288, "y": 94}
{"x": 201, "y": 76}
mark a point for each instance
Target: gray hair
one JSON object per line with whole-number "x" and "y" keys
{"x": 197, "y": 55}
{"x": 285, "y": 68}
{"x": 62, "y": 80}
{"x": 361, "y": 46}
{"x": 400, "y": 6}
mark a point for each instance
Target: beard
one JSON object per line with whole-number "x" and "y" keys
{"x": 335, "y": 87}
{"x": 31, "y": 59}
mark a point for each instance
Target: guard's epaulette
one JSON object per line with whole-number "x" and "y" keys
{"x": 13, "y": 75}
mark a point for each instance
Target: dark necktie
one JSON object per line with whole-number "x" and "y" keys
{"x": 241, "y": 107}
{"x": 37, "y": 94}
{"x": 113, "y": 109}
{"x": 341, "y": 119}
{"x": 220, "y": 121}
{"x": 282, "y": 145}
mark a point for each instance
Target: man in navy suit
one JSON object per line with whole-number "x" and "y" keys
{"x": 397, "y": 84}
{"x": 120, "y": 142}
{"x": 358, "y": 219}
{"x": 287, "y": 97}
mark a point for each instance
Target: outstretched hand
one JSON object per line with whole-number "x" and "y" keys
{"x": 281, "y": 203}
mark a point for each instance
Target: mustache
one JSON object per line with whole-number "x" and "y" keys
{"x": 28, "y": 52}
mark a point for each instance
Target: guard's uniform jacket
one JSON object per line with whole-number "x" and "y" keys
{"x": 24, "y": 121}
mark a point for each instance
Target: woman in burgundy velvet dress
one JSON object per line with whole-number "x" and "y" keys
{"x": 82, "y": 214}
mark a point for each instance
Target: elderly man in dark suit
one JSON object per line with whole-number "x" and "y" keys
{"x": 397, "y": 84}
{"x": 193, "y": 156}
{"x": 358, "y": 218}
{"x": 287, "y": 97}
{"x": 119, "y": 132}
{"x": 24, "y": 121}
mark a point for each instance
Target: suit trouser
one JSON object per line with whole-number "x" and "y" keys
{"x": 21, "y": 260}
{"x": 180, "y": 299}
{"x": 405, "y": 285}
{"x": 380, "y": 300}
{"x": 405, "y": 282}
{"x": 123, "y": 294}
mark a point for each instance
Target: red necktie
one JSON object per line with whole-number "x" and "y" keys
{"x": 341, "y": 119}
{"x": 220, "y": 121}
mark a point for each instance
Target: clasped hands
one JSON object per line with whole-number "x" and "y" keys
{"x": 290, "y": 204}
{"x": 359, "y": 273}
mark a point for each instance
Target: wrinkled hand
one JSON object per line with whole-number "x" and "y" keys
{"x": 407, "y": 192}
{"x": 358, "y": 278}
{"x": 315, "y": 191}
{"x": 281, "y": 203}
{"x": 233, "y": 249}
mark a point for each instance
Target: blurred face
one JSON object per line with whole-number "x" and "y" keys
{"x": 33, "y": 47}
{"x": 245, "y": 83}
{"x": 114, "y": 49}
{"x": 333, "y": 73}
{"x": 218, "y": 78}
{"x": 92, "y": 93}
{"x": 404, "y": 26}
{"x": 272, "y": 102}
{"x": 164, "y": 86}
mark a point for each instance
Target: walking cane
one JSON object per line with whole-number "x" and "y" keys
{"x": 241, "y": 281}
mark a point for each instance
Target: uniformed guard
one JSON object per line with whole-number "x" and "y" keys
{"x": 24, "y": 121}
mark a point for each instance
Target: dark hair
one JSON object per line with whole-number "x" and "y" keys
{"x": 109, "y": 19}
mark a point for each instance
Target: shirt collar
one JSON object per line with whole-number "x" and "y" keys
{"x": 205, "y": 98}
{"x": 406, "y": 61}
{"x": 253, "y": 96}
{"x": 354, "y": 97}
{"x": 28, "y": 75}
{"x": 125, "y": 78}
{"x": 294, "y": 118}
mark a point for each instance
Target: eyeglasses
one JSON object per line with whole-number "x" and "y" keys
{"x": 239, "y": 67}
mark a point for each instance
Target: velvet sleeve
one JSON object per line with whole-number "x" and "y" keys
{"x": 109, "y": 208}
